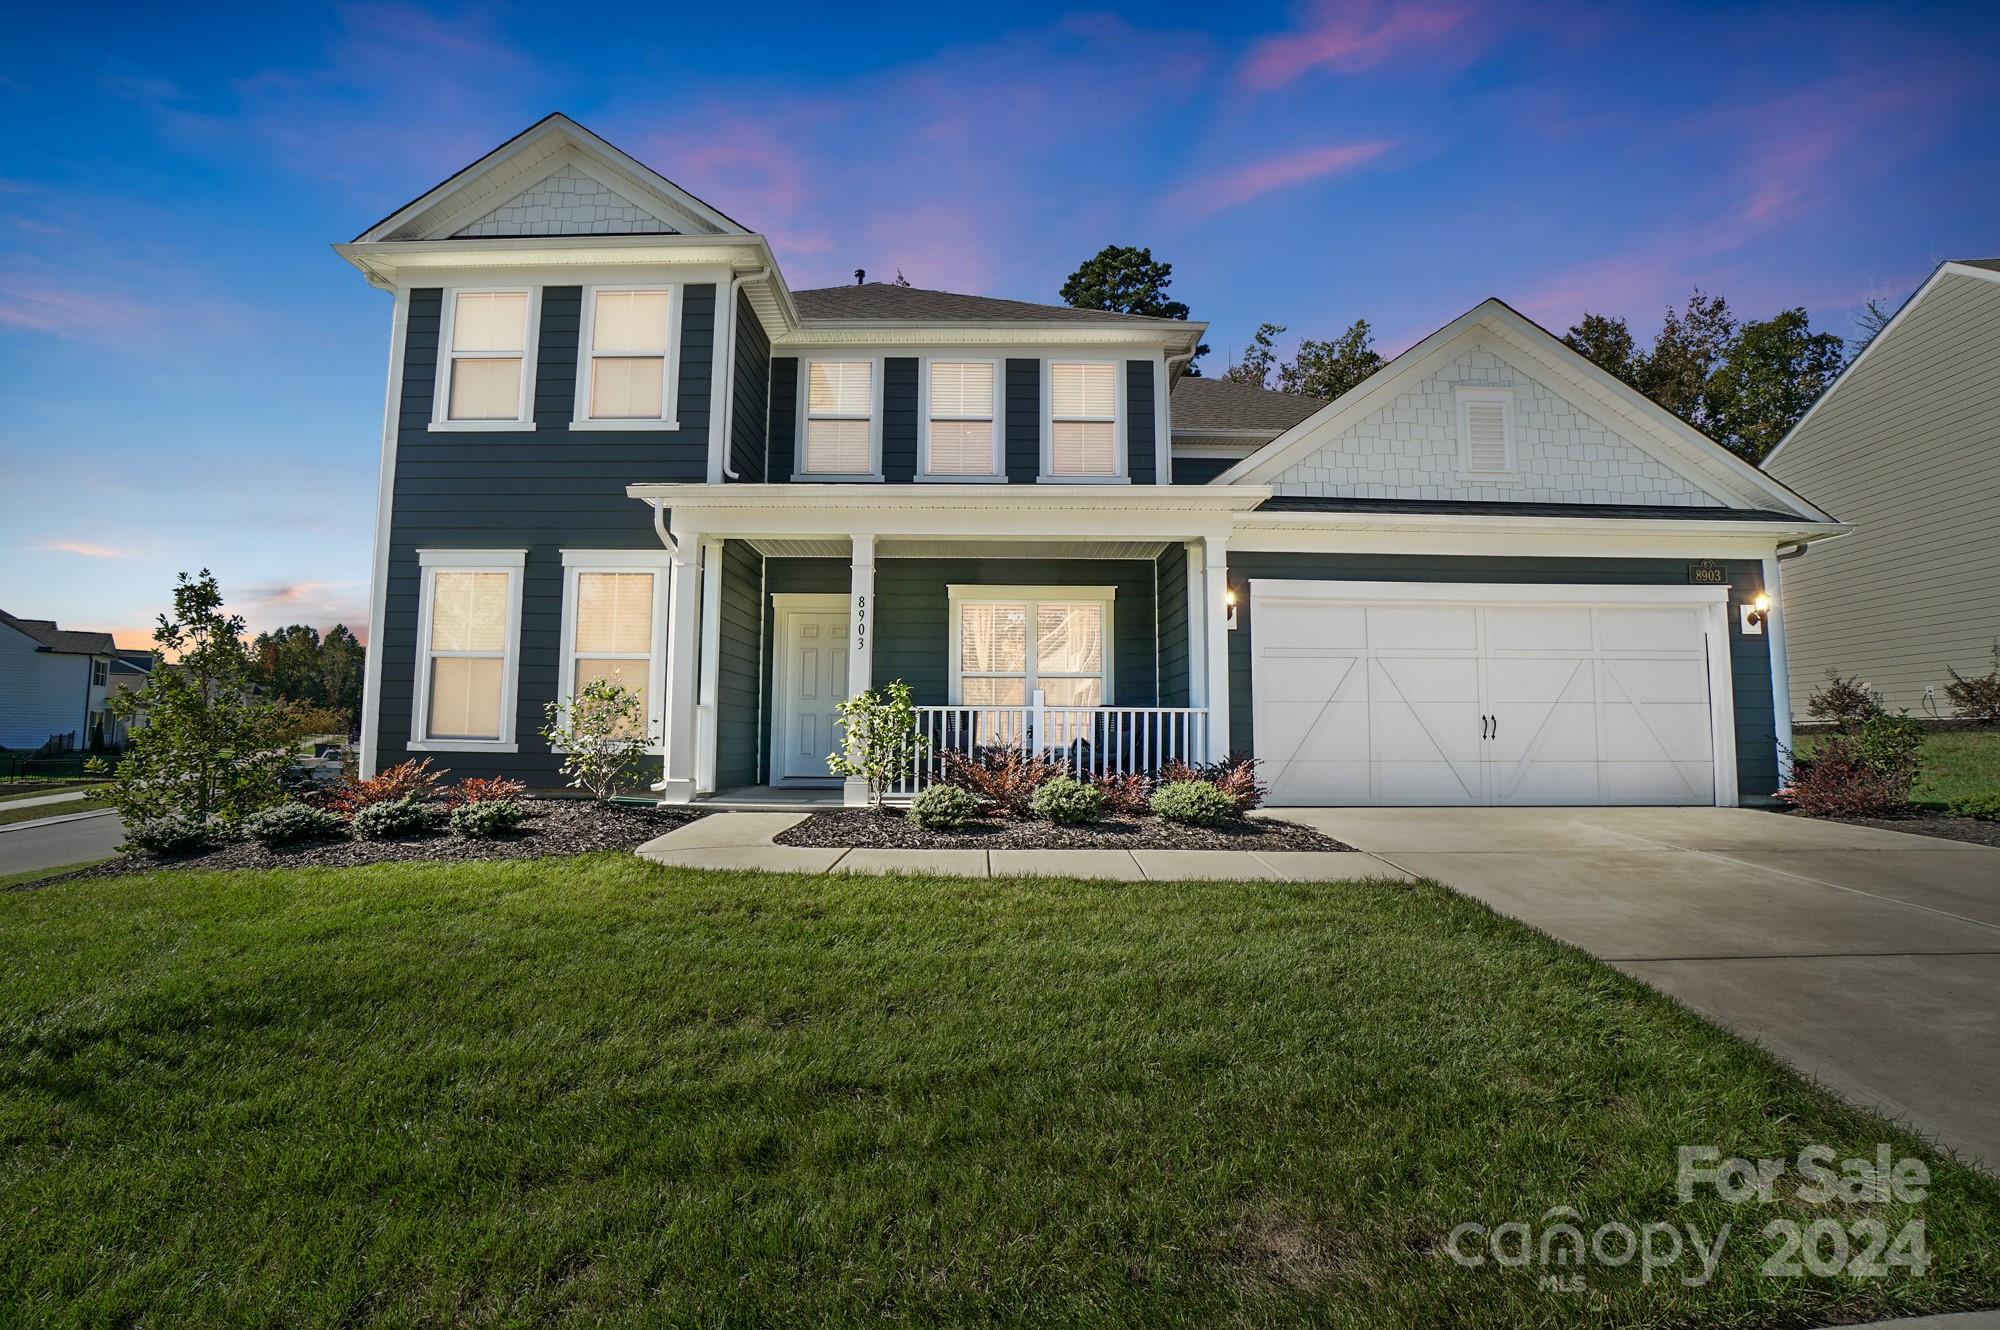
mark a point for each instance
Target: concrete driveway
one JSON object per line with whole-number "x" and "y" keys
{"x": 1868, "y": 959}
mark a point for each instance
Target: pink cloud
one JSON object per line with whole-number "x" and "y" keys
{"x": 1351, "y": 37}
{"x": 1208, "y": 195}
{"x": 81, "y": 547}
{"x": 42, "y": 305}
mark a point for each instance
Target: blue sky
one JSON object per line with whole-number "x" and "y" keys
{"x": 189, "y": 377}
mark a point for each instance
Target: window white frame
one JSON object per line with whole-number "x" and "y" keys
{"x": 1503, "y": 398}
{"x": 959, "y": 595}
{"x": 524, "y": 418}
{"x": 430, "y": 563}
{"x": 652, "y": 562}
{"x": 805, "y": 418}
{"x": 586, "y": 359}
{"x": 997, "y": 471}
{"x": 1120, "y": 446}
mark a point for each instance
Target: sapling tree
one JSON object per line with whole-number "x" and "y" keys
{"x": 601, "y": 733}
{"x": 883, "y": 742}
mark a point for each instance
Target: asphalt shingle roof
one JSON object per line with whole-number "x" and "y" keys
{"x": 53, "y": 638}
{"x": 1297, "y": 503}
{"x": 874, "y": 302}
{"x": 1205, "y": 405}
{"x": 1992, "y": 265}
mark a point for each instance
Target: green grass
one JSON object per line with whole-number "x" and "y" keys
{"x": 1957, "y": 763}
{"x": 88, "y": 803}
{"x": 597, "y": 1091}
{"x": 10, "y": 880}
{"x": 23, "y": 787}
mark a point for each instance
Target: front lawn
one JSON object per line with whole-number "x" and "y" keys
{"x": 1957, "y": 763}
{"x": 596, "y": 1090}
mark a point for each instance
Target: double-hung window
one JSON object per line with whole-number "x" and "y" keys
{"x": 1083, "y": 420}
{"x": 625, "y": 376}
{"x": 1010, "y": 642}
{"x": 961, "y": 419}
{"x": 840, "y": 419}
{"x": 614, "y": 625}
{"x": 468, "y": 649}
{"x": 485, "y": 378}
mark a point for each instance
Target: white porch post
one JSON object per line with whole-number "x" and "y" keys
{"x": 1215, "y": 617}
{"x": 860, "y": 643}
{"x": 1197, "y": 622}
{"x": 677, "y": 783}
{"x": 711, "y": 664}
{"x": 1781, "y": 666}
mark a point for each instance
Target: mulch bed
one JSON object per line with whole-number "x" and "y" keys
{"x": 862, "y": 828}
{"x": 553, "y": 827}
{"x": 1971, "y": 830}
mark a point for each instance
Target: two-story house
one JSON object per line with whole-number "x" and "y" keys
{"x": 617, "y": 443}
{"x": 53, "y": 684}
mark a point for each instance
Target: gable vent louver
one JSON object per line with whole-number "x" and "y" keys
{"x": 1486, "y": 437}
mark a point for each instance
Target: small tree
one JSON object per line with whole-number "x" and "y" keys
{"x": 1976, "y": 696}
{"x": 1843, "y": 701}
{"x": 882, "y": 738}
{"x": 209, "y": 748}
{"x": 601, "y": 734}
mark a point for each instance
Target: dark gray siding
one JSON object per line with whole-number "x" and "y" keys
{"x": 1024, "y": 421}
{"x": 1141, "y": 461}
{"x": 899, "y": 419}
{"x": 784, "y": 417}
{"x": 789, "y": 577}
{"x": 1750, "y": 660}
{"x": 540, "y": 490}
{"x": 739, "y": 711}
{"x": 753, "y": 389}
{"x": 1199, "y": 470}
{"x": 1173, "y": 619}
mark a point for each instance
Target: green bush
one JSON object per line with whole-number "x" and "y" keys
{"x": 1986, "y": 805}
{"x": 943, "y": 808}
{"x": 408, "y": 816}
{"x": 287, "y": 823}
{"x": 1065, "y": 802}
{"x": 169, "y": 833}
{"x": 1193, "y": 802}
{"x": 487, "y": 818}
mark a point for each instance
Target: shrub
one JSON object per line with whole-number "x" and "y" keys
{"x": 407, "y": 816}
{"x": 943, "y": 808}
{"x": 1976, "y": 697}
{"x": 1193, "y": 802}
{"x": 601, "y": 733}
{"x": 169, "y": 833}
{"x": 1986, "y": 806}
{"x": 1235, "y": 776}
{"x": 1125, "y": 792}
{"x": 881, "y": 738}
{"x": 1845, "y": 702}
{"x": 484, "y": 819}
{"x": 1865, "y": 773}
{"x": 405, "y": 780}
{"x": 484, "y": 789}
{"x": 285, "y": 823}
{"x": 307, "y": 720}
{"x": 96, "y": 766}
{"x": 1003, "y": 778}
{"x": 1066, "y": 802}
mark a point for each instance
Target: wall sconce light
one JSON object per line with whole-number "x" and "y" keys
{"x": 1755, "y": 613}
{"x": 1229, "y": 608}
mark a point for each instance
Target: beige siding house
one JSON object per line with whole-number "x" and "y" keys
{"x": 1905, "y": 445}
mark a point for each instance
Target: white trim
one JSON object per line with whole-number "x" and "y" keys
{"x": 800, "y": 475}
{"x": 586, "y": 362}
{"x": 1781, "y": 666}
{"x": 997, "y": 422}
{"x": 654, "y": 564}
{"x": 783, "y": 604}
{"x": 1464, "y": 399}
{"x": 431, "y": 562}
{"x": 524, "y": 416}
{"x": 378, "y": 566}
{"x": 1120, "y": 416}
{"x": 960, "y": 594}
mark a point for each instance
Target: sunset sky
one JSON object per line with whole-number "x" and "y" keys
{"x": 189, "y": 377}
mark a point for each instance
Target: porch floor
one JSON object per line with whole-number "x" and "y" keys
{"x": 774, "y": 799}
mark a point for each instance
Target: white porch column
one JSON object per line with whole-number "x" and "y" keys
{"x": 1215, "y": 584}
{"x": 677, "y": 782}
{"x": 860, "y": 643}
{"x": 711, "y": 664}
{"x": 1781, "y": 666}
{"x": 1197, "y": 623}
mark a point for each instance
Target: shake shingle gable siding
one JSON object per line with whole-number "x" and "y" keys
{"x": 542, "y": 490}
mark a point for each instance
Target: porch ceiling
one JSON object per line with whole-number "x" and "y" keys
{"x": 984, "y": 547}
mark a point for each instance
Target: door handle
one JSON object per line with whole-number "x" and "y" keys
{"x": 1496, "y": 728}
{"x": 1484, "y": 721}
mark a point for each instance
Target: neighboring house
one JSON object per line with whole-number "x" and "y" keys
{"x": 52, "y": 684}
{"x": 1906, "y": 445}
{"x": 618, "y": 444}
{"x": 130, "y": 669}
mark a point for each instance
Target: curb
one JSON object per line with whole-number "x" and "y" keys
{"x": 57, "y": 821}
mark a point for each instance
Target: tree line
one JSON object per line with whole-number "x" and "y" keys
{"x": 296, "y": 664}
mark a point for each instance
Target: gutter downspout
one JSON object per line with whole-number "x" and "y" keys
{"x": 729, "y": 372}
{"x": 660, "y": 525}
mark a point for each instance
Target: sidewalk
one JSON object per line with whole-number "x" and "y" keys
{"x": 36, "y": 800}
{"x": 744, "y": 840}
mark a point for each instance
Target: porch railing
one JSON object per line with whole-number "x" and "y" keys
{"x": 1088, "y": 741}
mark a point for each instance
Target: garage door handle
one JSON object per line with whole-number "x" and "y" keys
{"x": 1496, "y": 729}
{"x": 1484, "y": 721}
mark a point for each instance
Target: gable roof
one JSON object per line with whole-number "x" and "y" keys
{"x": 1651, "y": 426}
{"x": 1219, "y": 406}
{"x": 1982, "y": 269}
{"x": 888, "y": 302}
{"x": 552, "y": 147}
{"x": 51, "y": 638}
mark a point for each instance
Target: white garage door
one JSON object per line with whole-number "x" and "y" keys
{"x": 1395, "y": 693}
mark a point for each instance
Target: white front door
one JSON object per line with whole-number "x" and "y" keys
{"x": 811, "y": 671}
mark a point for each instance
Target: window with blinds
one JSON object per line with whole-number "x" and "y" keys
{"x": 1006, "y": 650}
{"x": 612, "y": 632}
{"x": 1486, "y": 433}
{"x": 840, "y": 415}
{"x": 488, "y": 350}
{"x": 961, "y": 422}
{"x": 467, "y": 649}
{"x": 1083, "y": 419}
{"x": 630, "y": 337}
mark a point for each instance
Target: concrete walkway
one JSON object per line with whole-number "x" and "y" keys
{"x": 1868, "y": 959}
{"x": 743, "y": 840}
